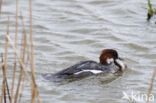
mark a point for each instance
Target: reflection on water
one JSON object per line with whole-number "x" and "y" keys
{"x": 67, "y": 31}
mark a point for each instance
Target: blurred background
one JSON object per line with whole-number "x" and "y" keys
{"x": 68, "y": 31}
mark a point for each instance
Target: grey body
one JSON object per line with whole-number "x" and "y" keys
{"x": 81, "y": 69}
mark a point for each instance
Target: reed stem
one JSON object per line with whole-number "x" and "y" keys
{"x": 0, "y": 8}
{"x": 26, "y": 56}
{"x": 16, "y": 34}
{"x": 151, "y": 85}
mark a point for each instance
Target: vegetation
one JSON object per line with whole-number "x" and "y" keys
{"x": 151, "y": 11}
{"x": 151, "y": 85}
{"x": 24, "y": 57}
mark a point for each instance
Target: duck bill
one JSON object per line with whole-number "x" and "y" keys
{"x": 120, "y": 64}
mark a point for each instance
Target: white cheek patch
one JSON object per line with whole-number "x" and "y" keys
{"x": 92, "y": 71}
{"x": 110, "y": 60}
{"x": 123, "y": 66}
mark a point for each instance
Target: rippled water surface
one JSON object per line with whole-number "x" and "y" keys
{"x": 67, "y": 31}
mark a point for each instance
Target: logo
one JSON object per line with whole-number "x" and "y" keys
{"x": 137, "y": 96}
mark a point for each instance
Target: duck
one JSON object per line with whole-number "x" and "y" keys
{"x": 109, "y": 62}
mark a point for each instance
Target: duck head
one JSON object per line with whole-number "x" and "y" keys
{"x": 109, "y": 56}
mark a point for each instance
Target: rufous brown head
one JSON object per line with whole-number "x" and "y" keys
{"x": 109, "y": 56}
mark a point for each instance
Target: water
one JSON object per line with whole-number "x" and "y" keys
{"x": 67, "y": 31}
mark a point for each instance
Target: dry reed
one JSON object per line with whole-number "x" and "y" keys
{"x": 24, "y": 78}
{"x": 0, "y": 8}
{"x": 4, "y": 69}
{"x": 151, "y": 85}
{"x": 32, "y": 56}
{"x": 16, "y": 32}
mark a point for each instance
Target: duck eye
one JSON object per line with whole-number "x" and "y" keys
{"x": 110, "y": 60}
